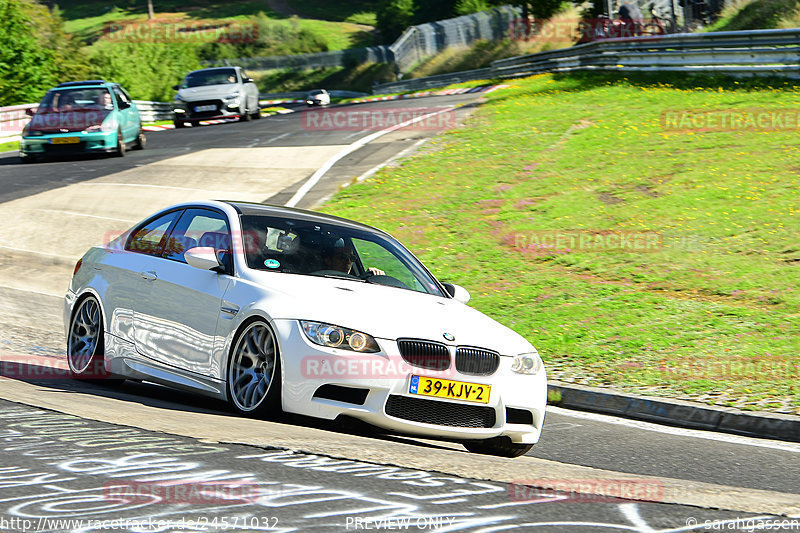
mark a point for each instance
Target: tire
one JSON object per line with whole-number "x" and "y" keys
{"x": 257, "y": 114}
{"x": 499, "y": 446}
{"x": 244, "y": 116}
{"x": 254, "y": 371}
{"x": 28, "y": 159}
{"x": 179, "y": 123}
{"x": 141, "y": 140}
{"x": 121, "y": 148}
{"x": 85, "y": 344}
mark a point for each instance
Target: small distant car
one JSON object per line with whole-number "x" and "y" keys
{"x": 273, "y": 309}
{"x": 215, "y": 93}
{"x": 92, "y": 116}
{"x": 318, "y": 97}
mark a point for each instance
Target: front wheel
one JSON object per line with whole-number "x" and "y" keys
{"x": 85, "y": 347}
{"x": 499, "y": 446}
{"x": 254, "y": 377}
{"x": 244, "y": 116}
{"x": 120, "y": 151}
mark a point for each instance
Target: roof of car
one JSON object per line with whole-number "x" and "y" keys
{"x": 84, "y": 83}
{"x": 248, "y": 208}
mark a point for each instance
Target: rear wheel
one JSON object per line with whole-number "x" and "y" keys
{"x": 179, "y": 123}
{"x": 85, "y": 347}
{"x": 141, "y": 140}
{"x": 254, "y": 377}
{"x": 500, "y": 446}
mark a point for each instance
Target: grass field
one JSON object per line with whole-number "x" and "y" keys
{"x": 634, "y": 249}
{"x": 90, "y": 20}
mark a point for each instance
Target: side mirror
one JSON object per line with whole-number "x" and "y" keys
{"x": 458, "y": 292}
{"x": 176, "y": 87}
{"x": 202, "y": 257}
{"x": 31, "y": 111}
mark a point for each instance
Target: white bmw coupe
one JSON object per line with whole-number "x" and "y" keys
{"x": 273, "y": 308}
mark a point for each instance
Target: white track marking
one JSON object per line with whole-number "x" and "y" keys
{"x": 314, "y": 179}
{"x": 29, "y": 251}
{"x": 389, "y": 161}
{"x": 681, "y": 432}
{"x": 59, "y": 296}
{"x": 631, "y": 512}
{"x": 73, "y": 213}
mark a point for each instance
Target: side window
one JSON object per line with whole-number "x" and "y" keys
{"x": 374, "y": 255}
{"x": 122, "y": 100}
{"x": 150, "y": 237}
{"x": 198, "y": 227}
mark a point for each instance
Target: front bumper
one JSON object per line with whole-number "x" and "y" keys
{"x": 194, "y": 110}
{"x": 42, "y": 145}
{"x": 327, "y": 383}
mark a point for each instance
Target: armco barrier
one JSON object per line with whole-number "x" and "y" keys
{"x": 742, "y": 53}
{"x": 153, "y": 111}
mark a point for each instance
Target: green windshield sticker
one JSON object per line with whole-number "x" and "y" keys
{"x": 272, "y": 263}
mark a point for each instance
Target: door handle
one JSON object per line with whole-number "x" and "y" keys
{"x": 149, "y": 275}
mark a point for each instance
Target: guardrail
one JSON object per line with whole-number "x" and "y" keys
{"x": 12, "y": 120}
{"x": 440, "y": 80}
{"x": 742, "y": 53}
{"x": 154, "y": 111}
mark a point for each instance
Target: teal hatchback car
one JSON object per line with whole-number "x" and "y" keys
{"x": 92, "y": 116}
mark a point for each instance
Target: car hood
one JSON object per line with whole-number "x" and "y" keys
{"x": 208, "y": 92}
{"x": 385, "y": 312}
{"x": 67, "y": 121}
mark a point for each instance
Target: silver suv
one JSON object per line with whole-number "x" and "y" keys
{"x": 213, "y": 93}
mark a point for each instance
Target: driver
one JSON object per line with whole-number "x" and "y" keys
{"x": 340, "y": 257}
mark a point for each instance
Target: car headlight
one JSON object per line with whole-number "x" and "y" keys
{"x": 339, "y": 337}
{"x": 234, "y": 94}
{"x": 109, "y": 124}
{"x": 527, "y": 363}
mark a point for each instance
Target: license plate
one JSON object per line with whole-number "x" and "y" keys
{"x": 453, "y": 390}
{"x": 65, "y": 140}
{"x": 201, "y": 108}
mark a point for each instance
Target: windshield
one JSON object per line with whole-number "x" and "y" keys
{"x": 314, "y": 249}
{"x": 219, "y": 76}
{"x": 66, "y": 100}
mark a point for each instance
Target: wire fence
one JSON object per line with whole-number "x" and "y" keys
{"x": 416, "y": 44}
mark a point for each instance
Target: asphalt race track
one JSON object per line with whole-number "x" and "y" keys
{"x": 74, "y": 451}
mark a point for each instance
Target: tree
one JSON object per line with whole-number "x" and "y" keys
{"x": 393, "y": 17}
{"x": 26, "y": 68}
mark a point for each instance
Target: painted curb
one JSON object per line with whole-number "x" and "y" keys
{"x": 676, "y": 412}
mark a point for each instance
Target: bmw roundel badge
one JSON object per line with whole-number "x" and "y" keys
{"x": 449, "y": 336}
